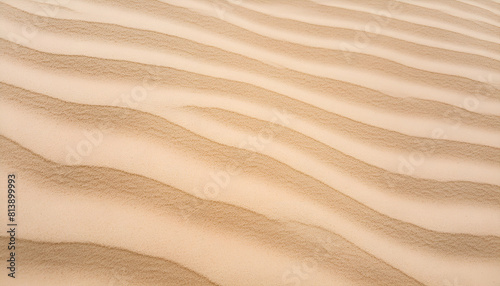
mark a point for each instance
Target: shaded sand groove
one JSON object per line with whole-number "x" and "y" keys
{"x": 421, "y": 15}
{"x": 486, "y": 195}
{"x": 66, "y": 263}
{"x": 167, "y": 201}
{"x": 251, "y": 143}
{"x": 338, "y": 68}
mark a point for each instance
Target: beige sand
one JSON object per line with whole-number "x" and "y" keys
{"x": 251, "y": 142}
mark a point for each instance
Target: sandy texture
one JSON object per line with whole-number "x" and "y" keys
{"x": 251, "y": 142}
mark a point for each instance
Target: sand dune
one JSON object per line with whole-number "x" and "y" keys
{"x": 250, "y": 142}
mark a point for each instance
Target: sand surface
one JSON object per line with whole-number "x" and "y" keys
{"x": 251, "y": 142}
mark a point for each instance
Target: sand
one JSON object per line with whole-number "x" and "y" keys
{"x": 251, "y": 142}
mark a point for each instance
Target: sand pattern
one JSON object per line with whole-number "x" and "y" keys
{"x": 251, "y": 142}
